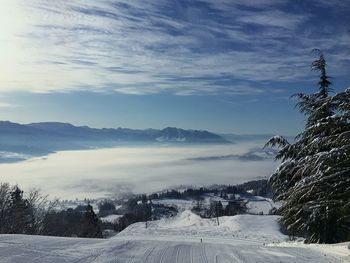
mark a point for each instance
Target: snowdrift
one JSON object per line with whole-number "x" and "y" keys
{"x": 250, "y": 227}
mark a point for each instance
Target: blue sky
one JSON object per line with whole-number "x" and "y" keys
{"x": 220, "y": 65}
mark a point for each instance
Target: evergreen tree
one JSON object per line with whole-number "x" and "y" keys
{"x": 219, "y": 209}
{"x": 314, "y": 177}
{"x": 19, "y": 213}
{"x": 235, "y": 208}
{"x": 106, "y": 207}
{"x": 90, "y": 226}
{"x": 144, "y": 199}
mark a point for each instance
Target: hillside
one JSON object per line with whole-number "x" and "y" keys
{"x": 176, "y": 240}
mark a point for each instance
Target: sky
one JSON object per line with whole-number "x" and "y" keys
{"x": 227, "y": 66}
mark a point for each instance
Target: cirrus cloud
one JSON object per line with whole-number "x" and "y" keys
{"x": 177, "y": 47}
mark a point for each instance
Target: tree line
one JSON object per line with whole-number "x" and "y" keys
{"x": 216, "y": 209}
{"x": 257, "y": 187}
{"x": 35, "y": 214}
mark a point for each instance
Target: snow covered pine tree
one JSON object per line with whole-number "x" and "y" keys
{"x": 313, "y": 180}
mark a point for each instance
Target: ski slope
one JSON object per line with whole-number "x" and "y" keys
{"x": 21, "y": 248}
{"x": 156, "y": 245}
{"x": 263, "y": 229}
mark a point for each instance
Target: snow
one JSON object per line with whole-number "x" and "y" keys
{"x": 13, "y": 155}
{"x": 211, "y": 197}
{"x": 255, "y": 205}
{"x": 338, "y": 250}
{"x": 250, "y": 227}
{"x": 168, "y": 139}
{"x": 263, "y": 205}
{"x": 110, "y": 218}
{"x": 182, "y": 239}
{"x": 180, "y": 204}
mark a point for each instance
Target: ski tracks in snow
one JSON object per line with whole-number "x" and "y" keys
{"x": 31, "y": 249}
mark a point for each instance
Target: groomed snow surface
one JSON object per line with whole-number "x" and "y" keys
{"x": 187, "y": 224}
{"x": 184, "y": 238}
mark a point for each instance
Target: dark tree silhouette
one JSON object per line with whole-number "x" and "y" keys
{"x": 90, "y": 225}
{"x": 314, "y": 177}
{"x": 18, "y": 213}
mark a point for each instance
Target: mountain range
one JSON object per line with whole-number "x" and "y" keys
{"x": 37, "y": 139}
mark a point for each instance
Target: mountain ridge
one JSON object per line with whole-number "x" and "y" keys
{"x": 42, "y": 138}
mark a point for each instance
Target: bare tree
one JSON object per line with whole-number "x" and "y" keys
{"x": 5, "y": 197}
{"x": 40, "y": 206}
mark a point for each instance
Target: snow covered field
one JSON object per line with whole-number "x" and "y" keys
{"x": 176, "y": 240}
{"x": 188, "y": 224}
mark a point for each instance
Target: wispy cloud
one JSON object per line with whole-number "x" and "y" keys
{"x": 8, "y": 105}
{"x": 147, "y": 47}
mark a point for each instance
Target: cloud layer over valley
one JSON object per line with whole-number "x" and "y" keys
{"x": 108, "y": 172}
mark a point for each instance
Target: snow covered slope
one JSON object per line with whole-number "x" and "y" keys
{"x": 175, "y": 240}
{"x": 248, "y": 227}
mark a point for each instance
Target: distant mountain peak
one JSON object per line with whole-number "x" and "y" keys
{"x": 52, "y": 124}
{"x": 44, "y": 137}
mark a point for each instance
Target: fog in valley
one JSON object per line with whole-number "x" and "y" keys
{"x": 109, "y": 172}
